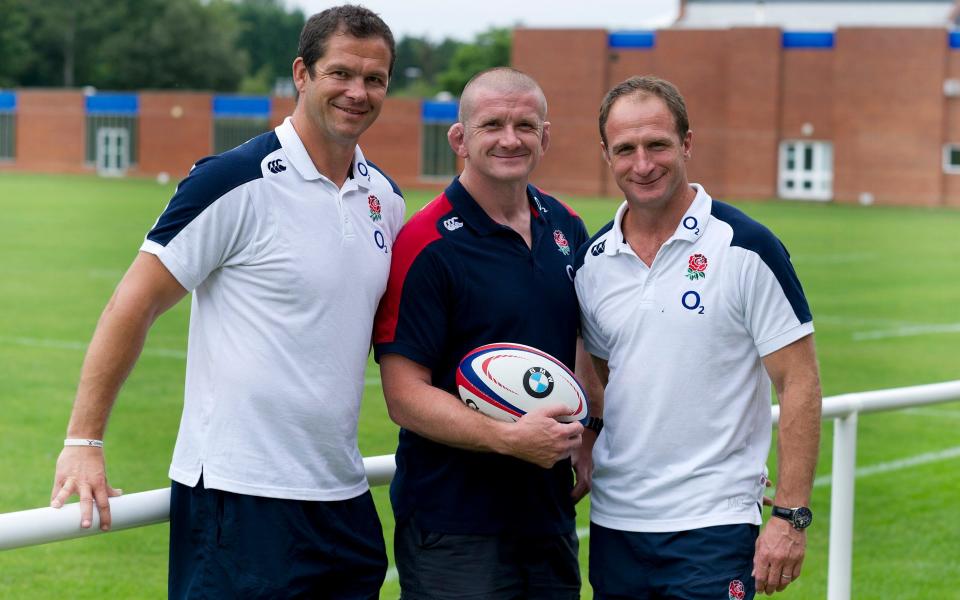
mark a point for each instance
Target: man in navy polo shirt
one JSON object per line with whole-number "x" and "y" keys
{"x": 690, "y": 309}
{"x": 483, "y": 508}
{"x": 285, "y": 243}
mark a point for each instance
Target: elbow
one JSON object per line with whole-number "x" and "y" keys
{"x": 395, "y": 410}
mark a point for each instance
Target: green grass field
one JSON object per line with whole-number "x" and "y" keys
{"x": 883, "y": 283}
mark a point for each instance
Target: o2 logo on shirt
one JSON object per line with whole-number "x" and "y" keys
{"x": 380, "y": 241}
{"x": 691, "y": 301}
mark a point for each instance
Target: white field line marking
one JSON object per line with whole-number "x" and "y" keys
{"x": 82, "y": 347}
{"x": 582, "y": 533}
{"x": 932, "y": 412}
{"x": 863, "y": 321}
{"x": 907, "y": 331}
{"x": 832, "y": 259}
{"x": 896, "y": 465}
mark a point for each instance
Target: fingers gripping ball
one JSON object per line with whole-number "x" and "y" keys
{"x": 505, "y": 381}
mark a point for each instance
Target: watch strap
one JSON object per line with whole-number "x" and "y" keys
{"x": 595, "y": 424}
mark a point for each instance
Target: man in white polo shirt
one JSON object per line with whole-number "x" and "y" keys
{"x": 286, "y": 243}
{"x": 690, "y": 309}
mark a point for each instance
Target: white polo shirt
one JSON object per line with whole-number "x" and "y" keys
{"x": 687, "y": 406}
{"x": 286, "y": 271}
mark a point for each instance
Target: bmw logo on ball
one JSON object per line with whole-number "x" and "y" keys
{"x": 538, "y": 382}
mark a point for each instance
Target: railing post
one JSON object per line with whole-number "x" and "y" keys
{"x": 841, "y": 507}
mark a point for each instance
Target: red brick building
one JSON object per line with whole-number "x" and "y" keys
{"x": 855, "y": 114}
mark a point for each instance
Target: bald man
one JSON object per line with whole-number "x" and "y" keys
{"x": 489, "y": 260}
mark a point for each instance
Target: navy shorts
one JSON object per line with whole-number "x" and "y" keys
{"x": 225, "y": 545}
{"x": 712, "y": 563}
{"x": 446, "y": 566}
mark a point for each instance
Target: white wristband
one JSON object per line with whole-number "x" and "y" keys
{"x": 79, "y": 442}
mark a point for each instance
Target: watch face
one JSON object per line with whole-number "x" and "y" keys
{"x": 802, "y": 517}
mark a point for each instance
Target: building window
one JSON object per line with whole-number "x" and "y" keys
{"x": 806, "y": 170}
{"x": 437, "y": 159}
{"x": 951, "y": 158}
{"x": 8, "y": 124}
{"x": 237, "y": 119}
{"x": 111, "y": 133}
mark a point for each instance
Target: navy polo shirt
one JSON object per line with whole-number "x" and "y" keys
{"x": 459, "y": 280}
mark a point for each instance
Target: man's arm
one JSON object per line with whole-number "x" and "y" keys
{"x": 145, "y": 292}
{"x": 780, "y": 548}
{"x": 416, "y": 405}
{"x": 594, "y": 375}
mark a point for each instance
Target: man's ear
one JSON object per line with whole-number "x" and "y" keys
{"x": 604, "y": 153}
{"x": 545, "y": 138}
{"x": 688, "y": 144}
{"x": 455, "y": 135}
{"x": 300, "y": 74}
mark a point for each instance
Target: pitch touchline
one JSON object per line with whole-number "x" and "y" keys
{"x": 896, "y": 465}
{"x": 907, "y": 331}
{"x": 81, "y": 347}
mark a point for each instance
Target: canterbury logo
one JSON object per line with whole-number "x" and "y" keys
{"x": 275, "y": 166}
{"x": 598, "y": 249}
{"x": 453, "y": 223}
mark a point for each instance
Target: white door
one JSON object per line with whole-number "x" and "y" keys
{"x": 806, "y": 170}
{"x": 113, "y": 151}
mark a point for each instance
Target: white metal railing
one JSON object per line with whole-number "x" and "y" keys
{"x": 42, "y": 525}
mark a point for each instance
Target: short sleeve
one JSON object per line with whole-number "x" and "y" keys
{"x": 414, "y": 313}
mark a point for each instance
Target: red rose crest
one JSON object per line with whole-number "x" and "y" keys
{"x": 561, "y": 241}
{"x": 696, "y": 267}
{"x": 736, "y": 591}
{"x": 374, "y": 204}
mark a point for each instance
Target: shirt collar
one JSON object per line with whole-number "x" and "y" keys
{"x": 301, "y": 161}
{"x": 478, "y": 219}
{"x": 690, "y": 228}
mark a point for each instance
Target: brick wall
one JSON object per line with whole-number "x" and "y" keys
{"x": 751, "y": 132}
{"x": 877, "y": 96}
{"x": 888, "y": 115}
{"x": 176, "y": 130}
{"x": 571, "y": 67}
{"x": 393, "y": 142}
{"x": 50, "y": 129}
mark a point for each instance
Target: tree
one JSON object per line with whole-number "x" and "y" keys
{"x": 14, "y": 47}
{"x": 490, "y": 49}
{"x": 418, "y": 63}
{"x": 269, "y": 35}
{"x": 63, "y": 36}
{"x": 178, "y": 44}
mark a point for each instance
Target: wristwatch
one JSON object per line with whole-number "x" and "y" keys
{"x": 799, "y": 517}
{"x": 594, "y": 423}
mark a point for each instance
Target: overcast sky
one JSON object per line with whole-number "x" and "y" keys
{"x": 462, "y": 19}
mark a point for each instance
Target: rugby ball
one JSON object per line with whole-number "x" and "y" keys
{"x": 505, "y": 381}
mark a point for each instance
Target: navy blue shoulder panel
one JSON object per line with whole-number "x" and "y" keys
{"x": 210, "y": 179}
{"x": 396, "y": 188}
{"x": 589, "y": 246}
{"x": 751, "y": 235}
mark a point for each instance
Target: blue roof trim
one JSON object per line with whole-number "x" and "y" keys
{"x": 211, "y": 179}
{"x": 8, "y": 101}
{"x": 632, "y": 39}
{"x": 114, "y": 104}
{"x": 251, "y": 107}
{"x": 437, "y": 111}
{"x": 805, "y": 40}
{"x": 953, "y": 39}
{"x": 751, "y": 235}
